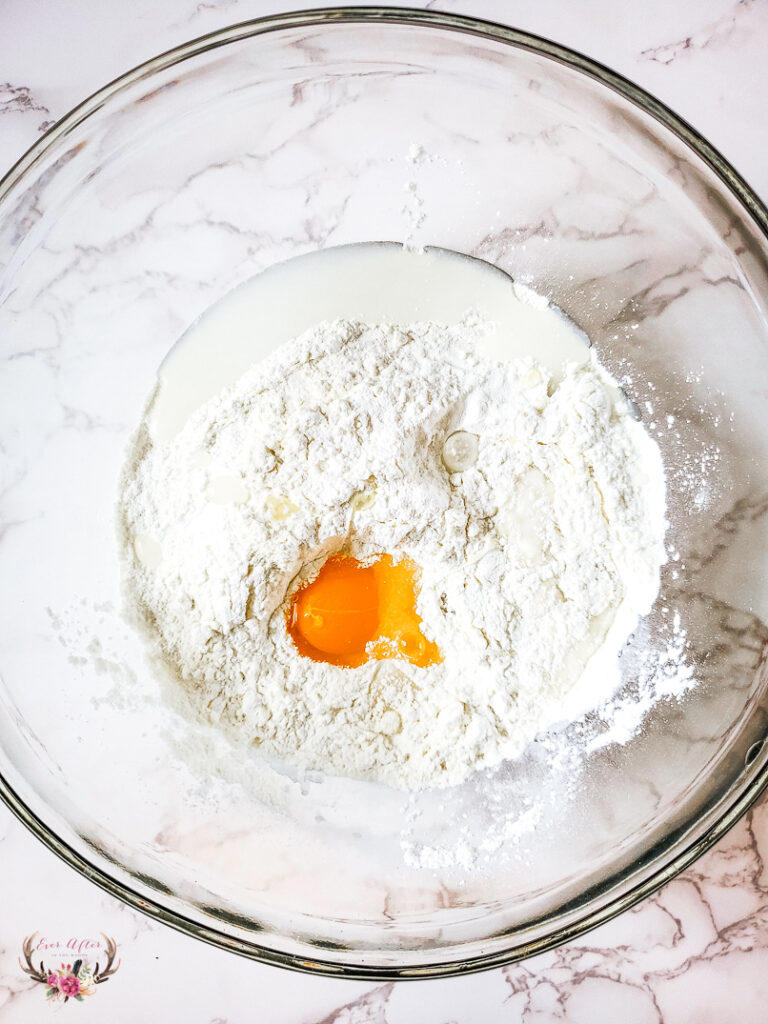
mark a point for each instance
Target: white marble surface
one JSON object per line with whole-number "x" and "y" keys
{"x": 698, "y": 950}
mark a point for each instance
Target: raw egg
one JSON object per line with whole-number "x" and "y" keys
{"x": 352, "y": 612}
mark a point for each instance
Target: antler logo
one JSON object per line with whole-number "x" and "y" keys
{"x": 75, "y": 979}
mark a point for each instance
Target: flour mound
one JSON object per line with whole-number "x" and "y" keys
{"x": 535, "y": 563}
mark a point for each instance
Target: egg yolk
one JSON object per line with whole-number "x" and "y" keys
{"x": 352, "y": 612}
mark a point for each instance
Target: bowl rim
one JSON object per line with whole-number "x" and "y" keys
{"x": 753, "y": 780}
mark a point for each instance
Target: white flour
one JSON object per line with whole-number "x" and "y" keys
{"x": 535, "y": 563}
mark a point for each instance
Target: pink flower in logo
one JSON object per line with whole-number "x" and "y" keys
{"x": 69, "y": 985}
{"x": 52, "y": 980}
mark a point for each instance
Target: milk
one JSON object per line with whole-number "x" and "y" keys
{"x": 369, "y": 281}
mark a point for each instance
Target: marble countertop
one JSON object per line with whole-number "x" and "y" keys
{"x": 697, "y": 951}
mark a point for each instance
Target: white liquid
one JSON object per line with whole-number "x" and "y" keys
{"x": 370, "y": 281}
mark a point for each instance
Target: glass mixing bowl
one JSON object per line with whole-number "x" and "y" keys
{"x": 281, "y": 136}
